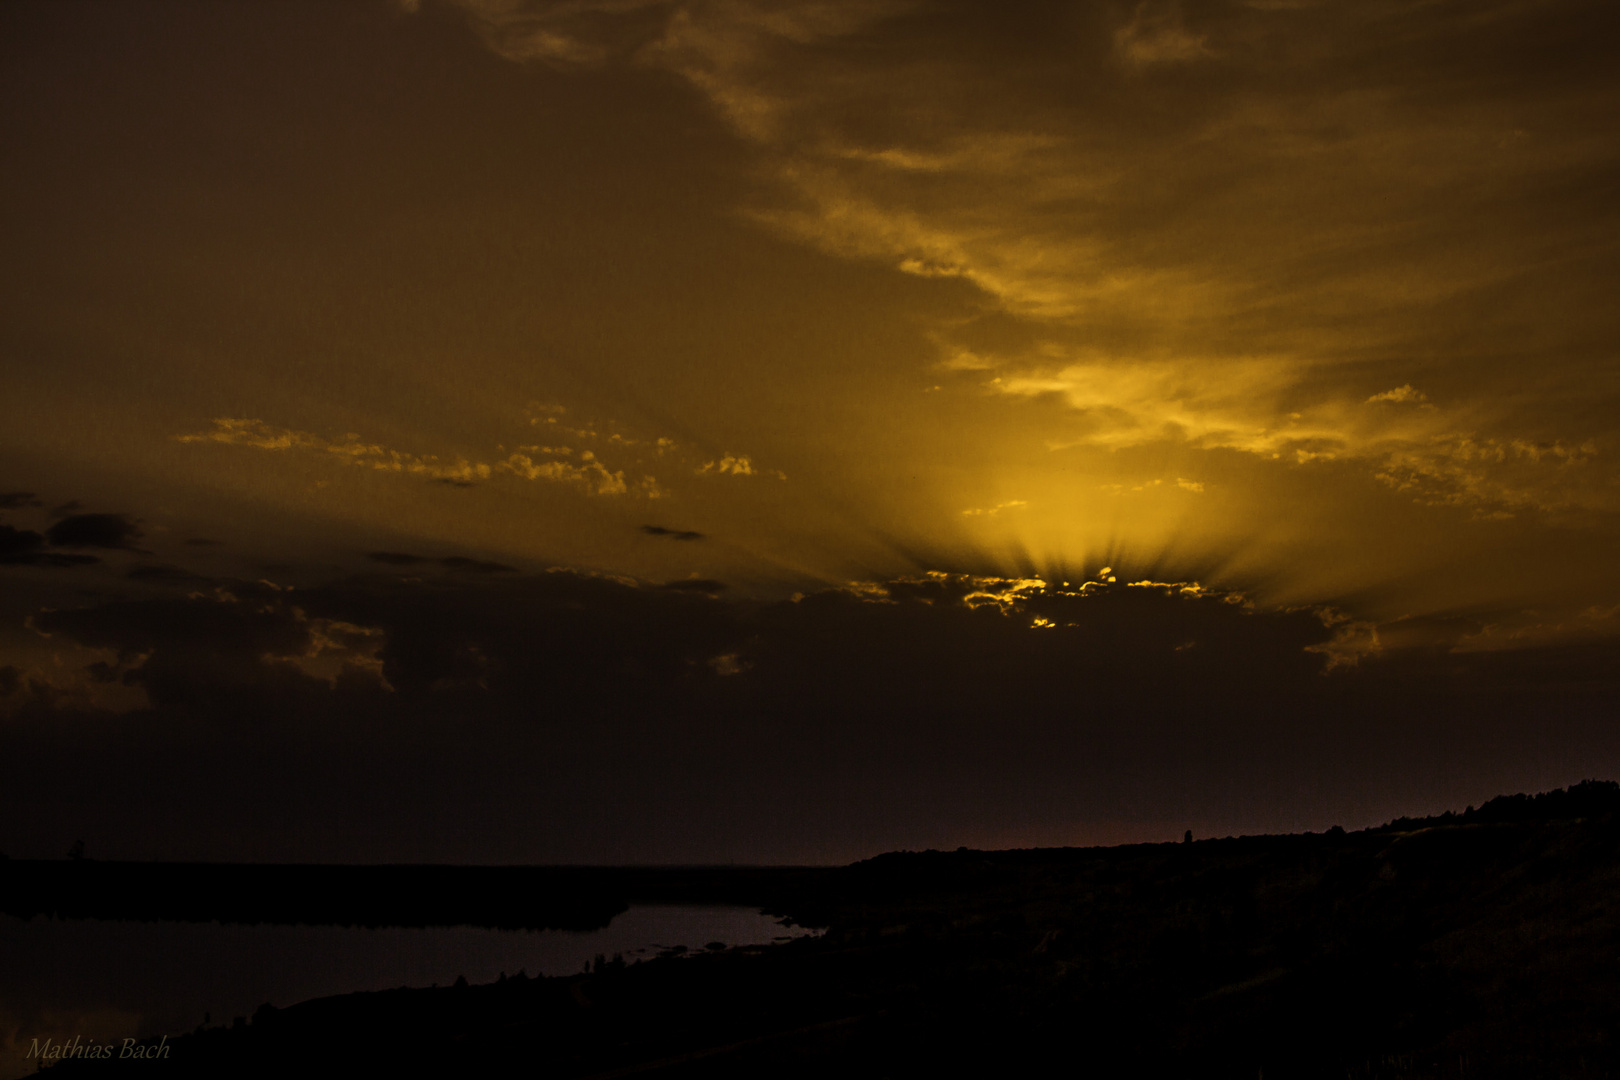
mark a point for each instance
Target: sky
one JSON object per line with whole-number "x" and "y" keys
{"x": 728, "y": 430}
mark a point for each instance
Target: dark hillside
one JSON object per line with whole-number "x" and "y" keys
{"x": 1482, "y": 944}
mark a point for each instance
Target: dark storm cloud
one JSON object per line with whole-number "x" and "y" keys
{"x": 449, "y": 562}
{"x": 17, "y": 541}
{"x": 215, "y": 652}
{"x": 930, "y": 638}
{"x": 396, "y": 558}
{"x": 476, "y": 566}
{"x": 48, "y": 558}
{"x": 16, "y": 500}
{"x": 10, "y": 679}
{"x": 703, "y": 585}
{"x": 203, "y": 541}
{"x": 672, "y": 534}
{"x": 95, "y": 530}
{"x": 21, "y": 547}
{"x": 550, "y": 646}
{"x": 568, "y": 649}
{"x": 588, "y": 710}
{"x": 160, "y": 572}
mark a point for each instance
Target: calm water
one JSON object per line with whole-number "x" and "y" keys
{"x": 106, "y": 980}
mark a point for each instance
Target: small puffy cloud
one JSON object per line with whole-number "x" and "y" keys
{"x": 728, "y": 664}
{"x": 590, "y": 474}
{"x": 1351, "y": 643}
{"x": 730, "y": 464}
{"x": 1401, "y": 395}
{"x": 1011, "y": 504}
{"x": 1189, "y": 485}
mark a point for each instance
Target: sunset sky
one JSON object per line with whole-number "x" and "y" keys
{"x": 648, "y": 431}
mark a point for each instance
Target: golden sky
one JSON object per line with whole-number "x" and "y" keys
{"x": 1307, "y": 303}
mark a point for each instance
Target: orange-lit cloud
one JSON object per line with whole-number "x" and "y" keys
{"x": 1228, "y": 293}
{"x": 584, "y": 471}
{"x": 1225, "y": 256}
{"x": 992, "y": 511}
{"x": 1156, "y": 34}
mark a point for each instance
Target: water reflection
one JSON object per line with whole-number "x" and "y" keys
{"x": 106, "y": 980}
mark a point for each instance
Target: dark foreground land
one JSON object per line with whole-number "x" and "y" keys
{"x": 1485, "y": 944}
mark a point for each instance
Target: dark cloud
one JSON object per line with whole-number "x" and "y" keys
{"x": 16, "y": 500}
{"x": 396, "y": 558}
{"x": 552, "y": 646}
{"x": 10, "y": 679}
{"x": 160, "y": 572}
{"x": 476, "y": 566}
{"x": 703, "y": 585}
{"x": 95, "y": 530}
{"x": 672, "y": 534}
{"x": 49, "y": 558}
{"x": 450, "y": 562}
{"x": 17, "y": 541}
{"x": 21, "y": 547}
{"x": 52, "y": 559}
{"x": 219, "y": 652}
{"x": 203, "y": 541}
{"x": 432, "y": 713}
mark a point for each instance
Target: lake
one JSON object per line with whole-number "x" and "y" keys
{"x": 108, "y": 980}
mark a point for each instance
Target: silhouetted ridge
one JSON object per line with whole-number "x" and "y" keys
{"x": 1588, "y": 799}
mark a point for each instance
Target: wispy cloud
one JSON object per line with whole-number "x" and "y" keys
{"x": 350, "y": 449}
{"x": 583, "y": 470}
{"x": 1439, "y": 456}
{"x": 992, "y": 511}
{"x": 1236, "y": 234}
{"x": 1158, "y": 34}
